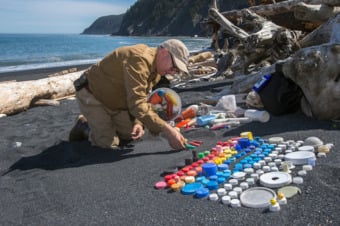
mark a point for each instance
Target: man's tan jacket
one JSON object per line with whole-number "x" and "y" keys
{"x": 123, "y": 80}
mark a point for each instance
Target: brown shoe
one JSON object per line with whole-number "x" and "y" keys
{"x": 80, "y": 130}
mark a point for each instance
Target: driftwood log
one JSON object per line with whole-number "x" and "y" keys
{"x": 19, "y": 96}
{"x": 262, "y": 41}
{"x": 315, "y": 67}
{"x": 316, "y": 70}
{"x": 303, "y": 15}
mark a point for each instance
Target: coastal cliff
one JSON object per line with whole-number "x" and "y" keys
{"x": 161, "y": 18}
{"x": 105, "y": 25}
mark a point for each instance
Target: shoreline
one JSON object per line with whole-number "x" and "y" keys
{"x": 34, "y": 74}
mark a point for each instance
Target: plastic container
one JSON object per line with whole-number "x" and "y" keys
{"x": 261, "y": 83}
{"x": 227, "y": 103}
{"x": 209, "y": 169}
{"x": 189, "y": 112}
{"x": 205, "y": 120}
{"x": 256, "y": 115}
{"x": 166, "y": 103}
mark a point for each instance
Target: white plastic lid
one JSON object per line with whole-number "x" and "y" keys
{"x": 275, "y": 140}
{"x": 226, "y": 199}
{"x": 299, "y": 157}
{"x": 275, "y": 179}
{"x": 306, "y": 148}
{"x": 235, "y": 203}
{"x": 239, "y": 175}
{"x": 257, "y": 197}
{"x": 213, "y": 197}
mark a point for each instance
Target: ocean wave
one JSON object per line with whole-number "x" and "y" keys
{"x": 23, "y": 67}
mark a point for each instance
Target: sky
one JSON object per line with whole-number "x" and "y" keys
{"x": 56, "y": 16}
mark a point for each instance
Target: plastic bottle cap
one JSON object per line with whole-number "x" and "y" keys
{"x": 238, "y": 190}
{"x": 297, "y": 180}
{"x": 190, "y": 189}
{"x": 226, "y": 199}
{"x": 275, "y": 140}
{"x": 175, "y": 187}
{"x": 244, "y": 185}
{"x": 192, "y": 173}
{"x": 221, "y": 191}
{"x": 235, "y": 203}
{"x": 307, "y": 167}
{"x": 233, "y": 182}
{"x": 257, "y": 197}
{"x": 213, "y": 197}
{"x": 233, "y": 194}
{"x": 160, "y": 185}
{"x": 289, "y": 191}
{"x": 212, "y": 185}
{"x": 189, "y": 179}
{"x": 202, "y": 192}
{"x": 306, "y": 148}
{"x": 239, "y": 175}
{"x": 228, "y": 187}
{"x": 275, "y": 179}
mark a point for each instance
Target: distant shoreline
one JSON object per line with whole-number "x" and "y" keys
{"x": 34, "y": 74}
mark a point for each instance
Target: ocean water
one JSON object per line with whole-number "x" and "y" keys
{"x": 33, "y": 51}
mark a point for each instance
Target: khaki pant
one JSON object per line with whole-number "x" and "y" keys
{"x": 106, "y": 126}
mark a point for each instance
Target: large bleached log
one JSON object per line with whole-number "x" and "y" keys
{"x": 263, "y": 41}
{"x": 280, "y": 7}
{"x": 303, "y": 15}
{"x": 327, "y": 32}
{"x": 19, "y": 96}
{"x": 227, "y": 25}
{"x": 314, "y": 13}
{"x": 316, "y": 70}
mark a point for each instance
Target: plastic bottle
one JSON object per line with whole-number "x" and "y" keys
{"x": 189, "y": 112}
{"x": 205, "y": 120}
{"x": 257, "y": 115}
{"x": 261, "y": 83}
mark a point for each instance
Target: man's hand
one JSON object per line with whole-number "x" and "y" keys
{"x": 137, "y": 132}
{"x": 175, "y": 138}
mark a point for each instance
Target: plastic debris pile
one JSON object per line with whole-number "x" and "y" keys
{"x": 247, "y": 171}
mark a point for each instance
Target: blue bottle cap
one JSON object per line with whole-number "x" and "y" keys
{"x": 205, "y": 181}
{"x": 221, "y": 180}
{"x": 243, "y": 161}
{"x": 209, "y": 169}
{"x": 238, "y": 166}
{"x": 222, "y": 167}
{"x": 200, "y": 179}
{"x": 246, "y": 166}
{"x": 243, "y": 142}
{"x": 219, "y": 174}
{"x": 202, "y": 192}
{"x": 213, "y": 177}
{"x": 212, "y": 185}
{"x": 226, "y": 175}
{"x": 190, "y": 189}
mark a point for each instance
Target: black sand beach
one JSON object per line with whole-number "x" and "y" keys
{"x": 46, "y": 180}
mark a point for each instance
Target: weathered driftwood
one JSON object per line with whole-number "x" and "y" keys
{"x": 265, "y": 41}
{"x": 329, "y": 6}
{"x": 227, "y": 25}
{"x": 19, "y": 96}
{"x": 327, "y": 32}
{"x": 316, "y": 70}
{"x": 314, "y": 13}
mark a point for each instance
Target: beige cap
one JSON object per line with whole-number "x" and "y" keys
{"x": 179, "y": 53}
